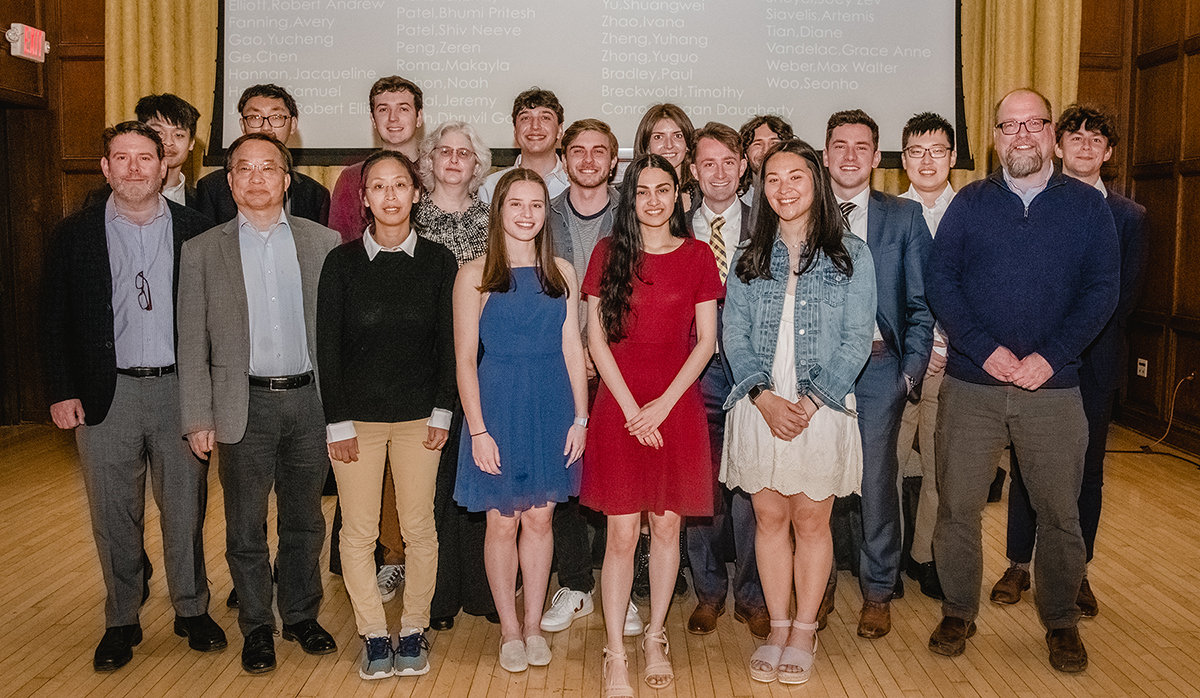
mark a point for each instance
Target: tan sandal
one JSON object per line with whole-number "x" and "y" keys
{"x": 658, "y": 674}
{"x": 795, "y": 665}
{"x": 615, "y": 690}
{"x": 767, "y": 657}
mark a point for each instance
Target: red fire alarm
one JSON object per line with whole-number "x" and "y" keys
{"x": 27, "y": 42}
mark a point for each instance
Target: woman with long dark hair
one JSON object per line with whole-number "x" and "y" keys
{"x": 649, "y": 286}
{"x": 386, "y": 358}
{"x": 666, "y": 130}
{"x": 798, "y": 322}
{"x": 525, "y": 402}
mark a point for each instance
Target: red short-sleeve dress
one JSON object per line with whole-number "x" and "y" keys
{"x": 620, "y": 475}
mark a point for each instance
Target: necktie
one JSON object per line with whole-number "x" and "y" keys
{"x": 717, "y": 242}
{"x": 847, "y": 207}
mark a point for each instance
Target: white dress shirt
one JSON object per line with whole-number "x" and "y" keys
{"x": 858, "y": 226}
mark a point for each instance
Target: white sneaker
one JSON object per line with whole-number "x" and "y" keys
{"x": 633, "y": 622}
{"x": 389, "y": 578}
{"x": 566, "y": 606}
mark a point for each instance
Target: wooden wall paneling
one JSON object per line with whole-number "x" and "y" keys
{"x": 1189, "y": 250}
{"x": 1191, "y": 104}
{"x": 1146, "y": 341}
{"x": 1159, "y": 196}
{"x": 81, "y": 116}
{"x": 1103, "y": 25}
{"x": 1193, "y": 20}
{"x": 1187, "y": 399}
{"x": 22, "y": 82}
{"x": 1156, "y": 136}
{"x": 1159, "y": 23}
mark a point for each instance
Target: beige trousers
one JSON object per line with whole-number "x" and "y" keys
{"x": 920, "y": 419}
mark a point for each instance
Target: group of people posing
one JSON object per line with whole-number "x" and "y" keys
{"x": 707, "y": 356}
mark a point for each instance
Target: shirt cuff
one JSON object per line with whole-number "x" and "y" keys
{"x": 340, "y": 431}
{"x": 440, "y": 419}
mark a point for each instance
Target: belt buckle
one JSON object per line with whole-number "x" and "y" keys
{"x": 281, "y": 382}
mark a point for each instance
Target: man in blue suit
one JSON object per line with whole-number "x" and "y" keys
{"x": 899, "y": 240}
{"x": 1086, "y": 137}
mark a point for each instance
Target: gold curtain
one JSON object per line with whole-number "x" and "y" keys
{"x": 171, "y": 46}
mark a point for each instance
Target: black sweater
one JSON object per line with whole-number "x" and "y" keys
{"x": 385, "y": 334}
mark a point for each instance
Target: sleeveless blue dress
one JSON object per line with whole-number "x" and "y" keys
{"x": 526, "y": 399}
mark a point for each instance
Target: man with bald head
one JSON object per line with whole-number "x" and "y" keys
{"x": 1024, "y": 274}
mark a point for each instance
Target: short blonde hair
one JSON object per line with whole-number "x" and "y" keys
{"x": 483, "y": 156}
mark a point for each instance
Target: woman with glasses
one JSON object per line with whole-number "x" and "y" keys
{"x": 798, "y": 320}
{"x": 386, "y": 358}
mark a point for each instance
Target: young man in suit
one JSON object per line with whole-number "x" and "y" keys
{"x": 1086, "y": 136}
{"x": 108, "y": 338}
{"x": 271, "y": 110}
{"x": 899, "y": 241}
{"x": 247, "y": 337}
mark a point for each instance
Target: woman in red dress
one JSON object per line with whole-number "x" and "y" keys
{"x": 652, "y": 322}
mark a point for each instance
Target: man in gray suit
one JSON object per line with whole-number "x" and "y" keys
{"x": 247, "y": 337}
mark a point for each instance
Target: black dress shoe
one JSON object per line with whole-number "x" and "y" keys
{"x": 949, "y": 638}
{"x": 312, "y": 637}
{"x": 493, "y": 618}
{"x": 116, "y": 647}
{"x": 258, "y": 650}
{"x": 927, "y": 576}
{"x": 898, "y": 590}
{"x": 202, "y": 632}
{"x": 1066, "y": 650}
{"x": 232, "y": 601}
{"x": 996, "y": 489}
{"x": 441, "y": 623}
{"x": 149, "y": 571}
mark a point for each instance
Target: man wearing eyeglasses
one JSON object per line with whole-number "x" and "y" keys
{"x": 928, "y": 155}
{"x": 899, "y": 241}
{"x": 108, "y": 339}
{"x": 247, "y": 304}
{"x": 1024, "y": 274}
{"x": 268, "y": 109}
{"x": 397, "y": 114}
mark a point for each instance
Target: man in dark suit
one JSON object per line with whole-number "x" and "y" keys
{"x": 899, "y": 239}
{"x": 175, "y": 121}
{"x": 1086, "y": 137}
{"x": 722, "y": 220}
{"x": 108, "y": 338}
{"x": 267, "y": 109}
{"x": 247, "y": 354}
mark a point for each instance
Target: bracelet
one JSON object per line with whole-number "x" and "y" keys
{"x": 581, "y": 422}
{"x": 479, "y": 434}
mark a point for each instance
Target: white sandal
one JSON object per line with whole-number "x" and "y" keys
{"x": 660, "y": 669}
{"x": 767, "y": 656}
{"x": 616, "y": 690}
{"x": 795, "y": 665}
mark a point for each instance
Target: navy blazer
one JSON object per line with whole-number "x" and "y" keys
{"x": 77, "y": 315}
{"x": 1104, "y": 359}
{"x": 306, "y": 198}
{"x": 744, "y": 235}
{"x": 900, "y": 245}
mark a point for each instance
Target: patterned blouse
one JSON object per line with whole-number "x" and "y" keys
{"x": 464, "y": 234}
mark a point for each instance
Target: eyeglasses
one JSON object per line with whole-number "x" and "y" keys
{"x": 256, "y": 120}
{"x": 143, "y": 288}
{"x": 268, "y": 169}
{"x": 1012, "y": 127}
{"x": 917, "y": 152}
{"x": 446, "y": 151}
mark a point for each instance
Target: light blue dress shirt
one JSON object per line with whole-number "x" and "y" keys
{"x": 274, "y": 299}
{"x": 142, "y": 337}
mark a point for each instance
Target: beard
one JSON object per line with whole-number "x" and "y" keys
{"x": 135, "y": 191}
{"x": 1023, "y": 164}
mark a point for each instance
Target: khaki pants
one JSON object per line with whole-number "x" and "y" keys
{"x": 920, "y": 420}
{"x": 414, "y": 470}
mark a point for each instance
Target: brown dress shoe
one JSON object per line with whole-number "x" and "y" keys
{"x": 950, "y": 637}
{"x": 1086, "y": 600}
{"x": 704, "y": 619}
{"x": 826, "y": 606}
{"x": 1066, "y": 650}
{"x": 876, "y": 619}
{"x": 1008, "y": 589}
{"x": 757, "y": 620}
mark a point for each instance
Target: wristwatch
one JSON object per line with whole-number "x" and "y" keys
{"x": 754, "y": 393}
{"x": 581, "y": 422}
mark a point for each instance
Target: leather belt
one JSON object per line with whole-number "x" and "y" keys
{"x": 147, "y": 371}
{"x": 879, "y": 348}
{"x": 282, "y": 382}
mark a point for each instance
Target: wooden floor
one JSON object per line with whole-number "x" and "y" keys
{"x": 1146, "y": 640}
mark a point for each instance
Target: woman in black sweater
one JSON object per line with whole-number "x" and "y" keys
{"x": 385, "y": 350}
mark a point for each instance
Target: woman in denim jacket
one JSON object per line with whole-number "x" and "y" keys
{"x": 798, "y": 321}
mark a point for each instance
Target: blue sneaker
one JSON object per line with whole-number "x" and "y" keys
{"x": 376, "y": 658}
{"x": 412, "y": 655}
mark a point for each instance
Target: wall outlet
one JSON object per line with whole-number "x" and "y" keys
{"x": 1143, "y": 368}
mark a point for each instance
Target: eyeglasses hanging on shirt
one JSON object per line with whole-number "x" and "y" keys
{"x": 143, "y": 289}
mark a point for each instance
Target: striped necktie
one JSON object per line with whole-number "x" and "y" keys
{"x": 717, "y": 242}
{"x": 847, "y": 207}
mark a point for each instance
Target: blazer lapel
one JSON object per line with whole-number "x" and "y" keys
{"x": 231, "y": 255}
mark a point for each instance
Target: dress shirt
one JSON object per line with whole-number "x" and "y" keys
{"x": 556, "y": 181}
{"x": 933, "y": 216}
{"x": 176, "y": 193}
{"x": 748, "y": 196}
{"x": 142, "y": 337}
{"x": 858, "y": 226}
{"x": 274, "y": 299}
{"x": 439, "y": 418}
{"x": 702, "y": 224}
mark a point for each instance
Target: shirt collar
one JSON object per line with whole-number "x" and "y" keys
{"x": 111, "y": 214}
{"x": 409, "y": 245}
{"x": 941, "y": 202}
{"x": 1100, "y": 186}
{"x": 178, "y": 187}
{"x": 859, "y": 200}
{"x": 245, "y": 224}
{"x": 1030, "y": 190}
{"x": 559, "y": 172}
{"x": 733, "y": 211}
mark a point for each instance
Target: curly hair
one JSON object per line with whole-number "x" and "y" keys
{"x": 483, "y": 155}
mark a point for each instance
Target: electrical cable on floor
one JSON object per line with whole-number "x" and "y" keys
{"x": 1148, "y": 449}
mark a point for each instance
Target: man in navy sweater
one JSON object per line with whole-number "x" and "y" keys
{"x": 1024, "y": 274}
{"x": 1085, "y": 141}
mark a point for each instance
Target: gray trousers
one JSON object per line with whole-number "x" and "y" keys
{"x": 1048, "y": 430}
{"x": 140, "y": 432}
{"x": 283, "y": 449}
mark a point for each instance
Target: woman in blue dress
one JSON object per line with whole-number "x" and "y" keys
{"x": 523, "y": 388}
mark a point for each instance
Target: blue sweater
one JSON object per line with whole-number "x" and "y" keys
{"x": 1042, "y": 279}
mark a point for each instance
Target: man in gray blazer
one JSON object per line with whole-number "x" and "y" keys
{"x": 247, "y": 338}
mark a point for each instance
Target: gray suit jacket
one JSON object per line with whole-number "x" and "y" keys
{"x": 214, "y": 325}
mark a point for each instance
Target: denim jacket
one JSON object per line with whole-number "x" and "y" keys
{"x": 834, "y": 321}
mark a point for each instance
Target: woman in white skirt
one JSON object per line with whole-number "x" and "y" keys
{"x": 798, "y": 320}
